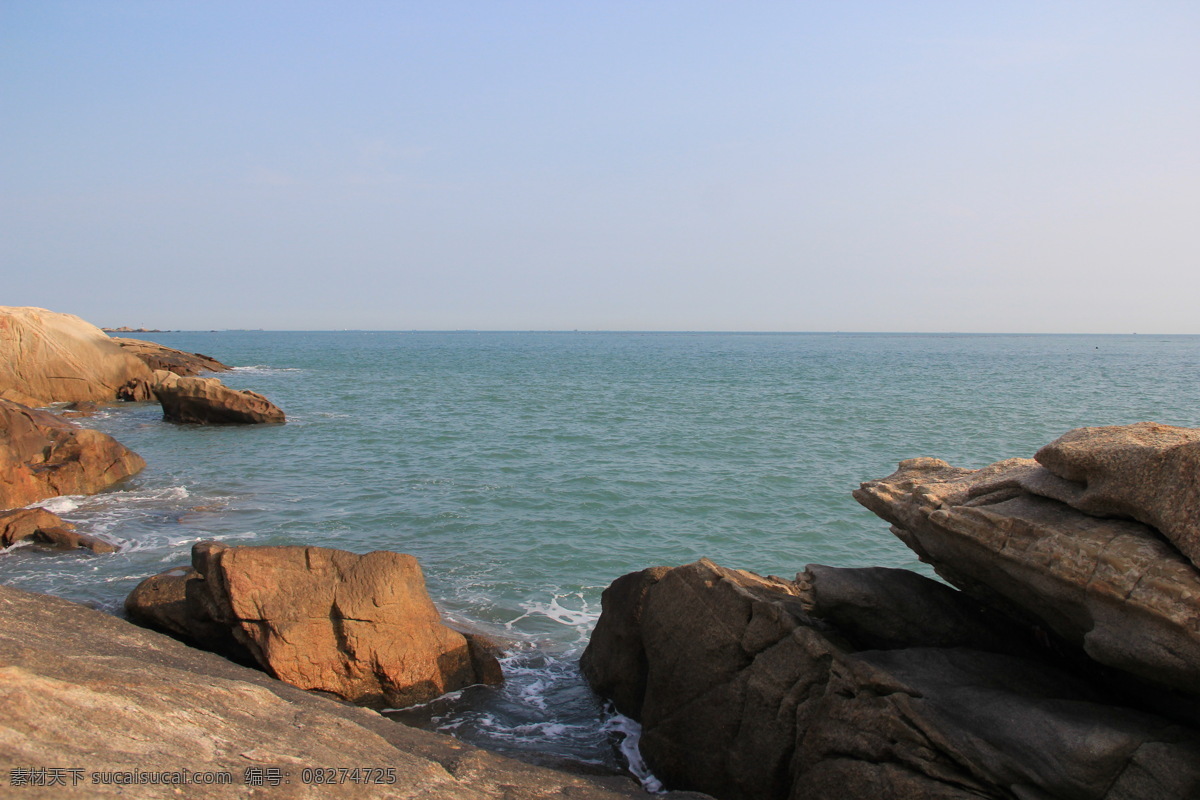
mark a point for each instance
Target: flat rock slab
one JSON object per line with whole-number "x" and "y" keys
{"x": 82, "y": 690}
{"x": 1148, "y": 472}
{"x": 1113, "y": 588}
{"x": 157, "y": 356}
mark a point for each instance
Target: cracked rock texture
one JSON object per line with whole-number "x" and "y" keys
{"x": 1115, "y": 589}
{"x": 84, "y": 690}
{"x": 43, "y": 455}
{"x": 361, "y": 627}
{"x": 864, "y": 683}
{"x": 48, "y": 357}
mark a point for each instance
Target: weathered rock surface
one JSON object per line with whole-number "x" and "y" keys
{"x": 751, "y": 687}
{"x": 207, "y": 400}
{"x": 1113, "y": 588}
{"x": 84, "y": 690}
{"x": 1147, "y": 472}
{"x": 361, "y": 627}
{"x": 157, "y": 356}
{"x": 43, "y": 455}
{"x": 48, "y": 357}
{"x": 40, "y": 525}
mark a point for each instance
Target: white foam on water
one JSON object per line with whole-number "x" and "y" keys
{"x": 58, "y": 505}
{"x": 581, "y": 617}
{"x": 264, "y": 369}
{"x": 16, "y": 545}
{"x": 631, "y": 735}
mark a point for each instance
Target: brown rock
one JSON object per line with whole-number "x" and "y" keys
{"x": 84, "y": 690}
{"x": 43, "y": 455}
{"x": 47, "y": 357}
{"x": 207, "y": 400}
{"x": 42, "y": 526}
{"x": 1112, "y": 588}
{"x": 361, "y": 627}
{"x": 748, "y": 688}
{"x": 1148, "y": 472}
{"x": 157, "y": 356}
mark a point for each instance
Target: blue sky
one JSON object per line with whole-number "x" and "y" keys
{"x": 925, "y": 166}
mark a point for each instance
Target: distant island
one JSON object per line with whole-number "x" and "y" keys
{"x": 127, "y": 329}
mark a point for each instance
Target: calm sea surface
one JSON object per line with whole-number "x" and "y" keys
{"x": 526, "y": 471}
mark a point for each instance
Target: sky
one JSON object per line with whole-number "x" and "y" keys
{"x": 616, "y": 165}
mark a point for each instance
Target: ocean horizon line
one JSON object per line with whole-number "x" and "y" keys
{"x": 604, "y": 331}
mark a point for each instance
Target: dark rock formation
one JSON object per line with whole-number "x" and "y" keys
{"x": 47, "y": 357}
{"x": 360, "y": 627}
{"x": 157, "y": 356}
{"x": 82, "y": 689}
{"x": 43, "y": 455}
{"x": 827, "y": 687}
{"x": 207, "y": 400}
{"x": 39, "y": 525}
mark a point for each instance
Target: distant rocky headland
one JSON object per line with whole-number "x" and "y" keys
{"x": 1059, "y": 659}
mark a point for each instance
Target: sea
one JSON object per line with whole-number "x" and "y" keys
{"x": 527, "y": 471}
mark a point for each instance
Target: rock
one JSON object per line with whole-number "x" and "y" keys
{"x": 82, "y": 408}
{"x": 43, "y": 455}
{"x": 160, "y": 357}
{"x": 47, "y": 357}
{"x": 361, "y": 627}
{"x": 144, "y": 391}
{"x": 1112, "y": 588}
{"x": 1147, "y": 472}
{"x": 207, "y": 400}
{"x": 84, "y": 690}
{"x": 42, "y": 526}
{"x": 750, "y": 687}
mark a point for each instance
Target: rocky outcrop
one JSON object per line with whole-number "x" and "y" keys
{"x": 1147, "y": 472}
{"x": 864, "y": 683}
{"x": 43, "y": 455}
{"x": 157, "y": 356}
{"x": 48, "y": 357}
{"x": 1112, "y": 588}
{"x": 207, "y": 401}
{"x": 39, "y": 525}
{"x": 361, "y": 627}
{"x": 82, "y": 690}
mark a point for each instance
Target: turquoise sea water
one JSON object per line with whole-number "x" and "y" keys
{"x": 526, "y": 471}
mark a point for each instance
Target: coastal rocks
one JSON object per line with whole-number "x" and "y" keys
{"x": 207, "y": 400}
{"x": 161, "y": 357}
{"x": 85, "y": 690}
{"x": 1112, "y": 588}
{"x": 1148, "y": 472}
{"x": 361, "y": 627}
{"x": 43, "y": 455}
{"x": 48, "y": 357}
{"x": 39, "y": 525}
{"x": 824, "y": 687}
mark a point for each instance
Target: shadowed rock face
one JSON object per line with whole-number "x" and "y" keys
{"x": 83, "y": 689}
{"x": 43, "y": 455}
{"x": 361, "y": 627}
{"x": 157, "y": 356}
{"x": 751, "y": 687}
{"x": 208, "y": 401}
{"x": 47, "y": 357}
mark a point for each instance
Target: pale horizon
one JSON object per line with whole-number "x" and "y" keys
{"x": 867, "y": 167}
